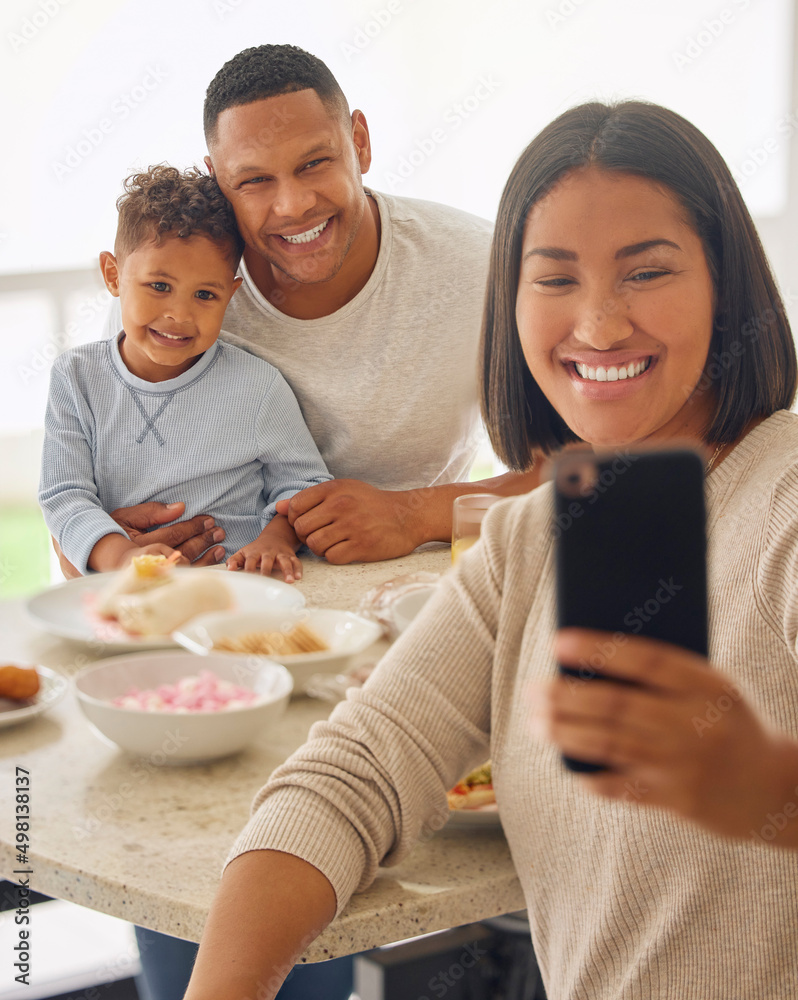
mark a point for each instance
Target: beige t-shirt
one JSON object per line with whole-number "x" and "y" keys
{"x": 625, "y": 902}
{"x": 388, "y": 384}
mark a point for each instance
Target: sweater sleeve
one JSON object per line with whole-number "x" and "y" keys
{"x": 777, "y": 575}
{"x": 67, "y": 491}
{"x": 373, "y": 778}
{"x": 291, "y": 460}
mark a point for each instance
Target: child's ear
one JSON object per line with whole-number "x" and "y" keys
{"x": 110, "y": 270}
{"x": 236, "y": 284}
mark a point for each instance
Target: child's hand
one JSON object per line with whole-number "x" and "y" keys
{"x": 115, "y": 551}
{"x": 265, "y": 555}
{"x": 273, "y": 549}
{"x": 156, "y": 549}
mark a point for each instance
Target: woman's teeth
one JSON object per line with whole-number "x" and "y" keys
{"x": 306, "y": 237}
{"x": 612, "y": 374}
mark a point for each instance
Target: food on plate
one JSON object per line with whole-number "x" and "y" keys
{"x": 299, "y": 639}
{"x": 150, "y": 598}
{"x": 160, "y": 611}
{"x": 18, "y": 683}
{"x": 475, "y": 791}
{"x": 195, "y": 693}
{"x": 144, "y": 573}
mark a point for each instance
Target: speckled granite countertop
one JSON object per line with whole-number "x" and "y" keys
{"x": 147, "y": 843}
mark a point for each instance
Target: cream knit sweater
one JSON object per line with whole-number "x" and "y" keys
{"x": 624, "y": 902}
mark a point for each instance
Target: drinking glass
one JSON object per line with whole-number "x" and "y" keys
{"x": 467, "y": 514}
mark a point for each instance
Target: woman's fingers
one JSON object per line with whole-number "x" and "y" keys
{"x": 632, "y": 658}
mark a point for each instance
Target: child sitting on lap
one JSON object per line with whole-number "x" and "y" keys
{"x": 165, "y": 411}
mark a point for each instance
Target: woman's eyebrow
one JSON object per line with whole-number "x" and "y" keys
{"x": 559, "y": 253}
{"x": 552, "y": 253}
{"x": 636, "y": 248}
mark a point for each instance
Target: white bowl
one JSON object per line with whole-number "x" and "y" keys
{"x": 346, "y": 634}
{"x": 180, "y": 737}
{"x": 406, "y": 607}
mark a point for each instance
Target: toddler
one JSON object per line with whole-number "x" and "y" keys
{"x": 165, "y": 411}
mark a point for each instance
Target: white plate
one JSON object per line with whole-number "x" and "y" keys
{"x": 485, "y": 818}
{"x": 51, "y": 689}
{"x": 62, "y": 610}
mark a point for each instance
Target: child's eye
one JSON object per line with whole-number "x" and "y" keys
{"x": 205, "y": 295}
{"x": 159, "y": 286}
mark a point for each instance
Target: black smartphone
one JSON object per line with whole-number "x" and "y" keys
{"x": 630, "y": 540}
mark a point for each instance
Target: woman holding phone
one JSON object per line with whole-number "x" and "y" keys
{"x": 629, "y": 303}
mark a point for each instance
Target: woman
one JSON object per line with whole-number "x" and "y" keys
{"x": 622, "y": 246}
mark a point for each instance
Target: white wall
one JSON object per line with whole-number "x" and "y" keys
{"x": 102, "y": 86}
{"x": 91, "y": 89}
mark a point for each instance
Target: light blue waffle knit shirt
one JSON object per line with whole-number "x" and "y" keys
{"x": 226, "y": 437}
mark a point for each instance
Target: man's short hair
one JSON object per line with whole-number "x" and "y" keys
{"x": 268, "y": 71}
{"x": 164, "y": 202}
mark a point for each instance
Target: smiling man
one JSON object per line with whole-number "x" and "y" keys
{"x": 369, "y": 305}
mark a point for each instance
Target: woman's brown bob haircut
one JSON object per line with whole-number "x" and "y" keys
{"x": 164, "y": 202}
{"x": 751, "y": 366}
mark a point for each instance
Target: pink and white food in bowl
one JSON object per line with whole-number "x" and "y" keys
{"x": 161, "y": 705}
{"x": 203, "y": 692}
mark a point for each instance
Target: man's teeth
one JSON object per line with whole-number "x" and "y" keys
{"x": 611, "y": 374}
{"x": 306, "y": 237}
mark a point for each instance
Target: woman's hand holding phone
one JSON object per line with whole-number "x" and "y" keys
{"x": 680, "y": 735}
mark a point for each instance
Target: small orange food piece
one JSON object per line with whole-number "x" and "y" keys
{"x": 18, "y": 683}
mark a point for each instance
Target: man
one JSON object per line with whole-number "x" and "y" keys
{"x": 370, "y": 306}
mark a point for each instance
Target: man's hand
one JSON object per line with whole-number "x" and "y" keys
{"x": 195, "y": 538}
{"x": 346, "y": 520}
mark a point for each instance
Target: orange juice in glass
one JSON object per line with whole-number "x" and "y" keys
{"x": 467, "y": 514}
